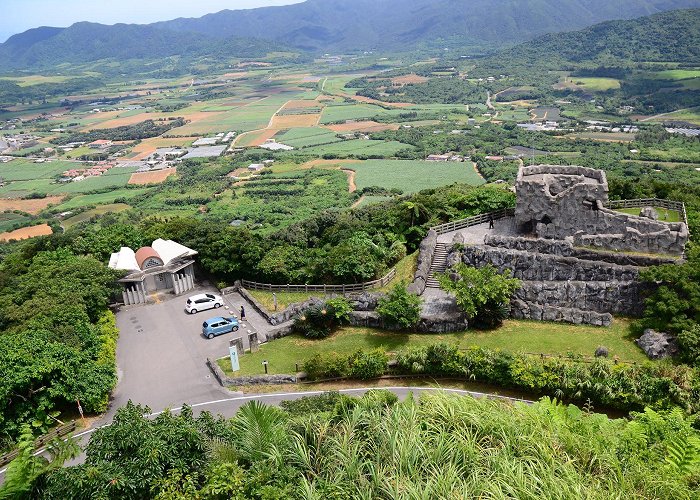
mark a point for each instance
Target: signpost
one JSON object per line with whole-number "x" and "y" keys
{"x": 233, "y": 352}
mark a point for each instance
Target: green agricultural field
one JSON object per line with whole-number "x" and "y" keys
{"x": 23, "y": 170}
{"x": 691, "y": 115}
{"x": 307, "y": 137}
{"x": 411, "y": 176}
{"x": 367, "y": 200}
{"x": 9, "y": 219}
{"x": 100, "y": 198}
{"x": 19, "y": 189}
{"x": 536, "y": 337}
{"x": 87, "y": 214}
{"x": 360, "y": 147}
{"x": 597, "y": 84}
{"x": 676, "y": 74}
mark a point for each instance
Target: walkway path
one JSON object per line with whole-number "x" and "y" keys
{"x": 474, "y": 235}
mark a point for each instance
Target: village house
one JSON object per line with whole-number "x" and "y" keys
{"x": 100, "y": 144}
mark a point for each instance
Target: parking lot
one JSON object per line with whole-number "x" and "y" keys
{"x": 161, "y": 352}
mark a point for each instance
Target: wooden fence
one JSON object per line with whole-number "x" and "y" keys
{"x": 58, "y": 432}
{"x": 354, "y": 287}
{"x": 448, "y": 227}
{"x": 678, "y": 206}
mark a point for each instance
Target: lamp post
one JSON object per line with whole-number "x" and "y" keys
{"x": 264, "y": 363}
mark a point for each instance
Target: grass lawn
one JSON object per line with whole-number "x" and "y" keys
{"x": 515, "y": 336}
{"x": 673, "y": 215}
{"x": 22, "y": 169}
{"x": 413, "y": 175}
{"x": 600, "y": 84}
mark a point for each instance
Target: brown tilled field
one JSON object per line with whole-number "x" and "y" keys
{"x": 363, "y": 126}
{"x": 301, "y": 103}
{"x": 26, "y": 232}
{"x": 280, "y": 122}
{"x": 32, "y": 207}
{"x": 329, "y": 163}
{"x": 256, "y": 137}
{"x": 407, "y": 79}
{"x": 154, "y": 177}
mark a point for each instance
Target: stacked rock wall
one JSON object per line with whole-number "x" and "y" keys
{"x": 425, "y": 259}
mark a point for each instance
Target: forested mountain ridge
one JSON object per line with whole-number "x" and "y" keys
{"x": 668, "y": 36}
{"x": 83, "y": 42}
{"x": 391, "y": 24}
{"x": 324, "y": 25}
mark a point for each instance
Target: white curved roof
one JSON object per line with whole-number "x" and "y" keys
{"x": 124, "y": 259}
{"x": 168, "y": 250}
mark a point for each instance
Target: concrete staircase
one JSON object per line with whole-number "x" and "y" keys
{"x": 438, "y": 265}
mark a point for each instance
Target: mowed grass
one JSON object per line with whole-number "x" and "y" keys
{"x": 520, "y": 336}
{"x": 664, "y": 214}
{"x": 360, "y": 147}
{"x": 307, "y": 137}
{"x": 411, "y": 176}
{"x": 342, "y": 112}
{"x": 88, "y": 214}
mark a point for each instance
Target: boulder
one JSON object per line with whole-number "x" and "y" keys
{"x": 649, "y": 213}
{"x": 657, "y": 345}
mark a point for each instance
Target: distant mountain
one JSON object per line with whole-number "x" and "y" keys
{"x": 343, "y": 25}
{"x": 668, "y": 36}
{"x": 87, "y": 42}
{"x": 324, "y": 25}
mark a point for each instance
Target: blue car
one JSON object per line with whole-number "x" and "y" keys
{"x": 218, "y": 326}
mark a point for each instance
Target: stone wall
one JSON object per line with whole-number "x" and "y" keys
{"x": 565, "y": 248}
{"x": 619, "y": 297}
{"x": 425, "y": 259}
{"x": 227, "y": 381}
{"x": 528, "y": 310}
{"x": 545, "y": 267}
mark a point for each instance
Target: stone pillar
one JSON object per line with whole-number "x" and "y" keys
{"x": 125, "y": 297}
{"x": 176, "y": 284}
{"x": 253, "y": 341}
{"x": 238, "y": 344}
{"x": 130, "y": 292}
{"x": 142, "y": 289}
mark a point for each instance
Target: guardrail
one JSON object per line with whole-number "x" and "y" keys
{"x": 354, "y": 287}
{"x": 678, "y": 206}
{"x": 474, "y": 220}
{"x": 58, "y": 432}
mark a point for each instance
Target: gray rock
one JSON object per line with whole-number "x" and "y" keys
{"x": 601, "y": 352}
{"x": 657, "y": 345}
{"x": 649, "y": 213}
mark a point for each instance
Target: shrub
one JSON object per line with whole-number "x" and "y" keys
{"x": 319, "y": 320}
{"x": 483, "y": 293}
{"x": 400, "y": 308}
{"x": 367, "y": 364}
{"x": 311, "y": 404}
{"x": 331, "y": 365}
{"x": 689, "y": 345}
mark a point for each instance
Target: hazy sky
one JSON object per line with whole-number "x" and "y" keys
{"x": 17, "y": 16}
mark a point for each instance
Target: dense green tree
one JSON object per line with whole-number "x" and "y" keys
{"x": 482, "y": 293}
{"x": 399, "y": 308}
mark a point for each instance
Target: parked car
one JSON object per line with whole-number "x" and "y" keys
{"x": 202, "y": 302}
{"x": 218, "y": 326}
